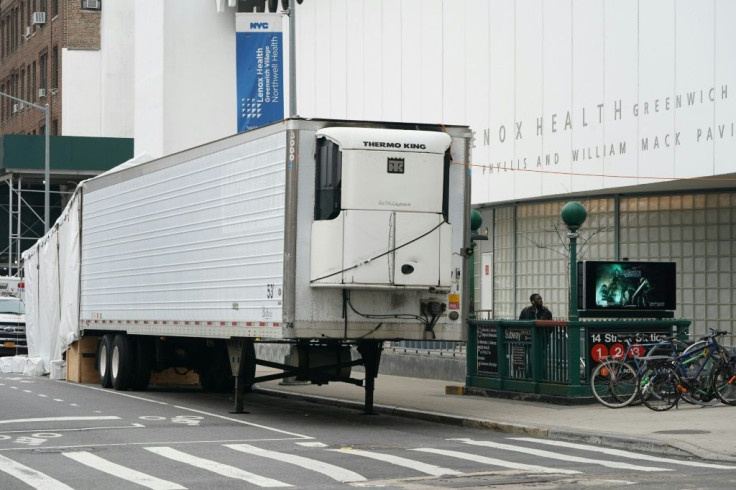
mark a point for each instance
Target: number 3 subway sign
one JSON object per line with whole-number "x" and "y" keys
{"x": 610, "y": 344}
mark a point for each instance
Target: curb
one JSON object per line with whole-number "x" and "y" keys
{"x": 674, "y": 448}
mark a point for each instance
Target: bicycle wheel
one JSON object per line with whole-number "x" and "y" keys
{"x": 614, "y": 383}
{"x": 659, "y": 388}
{"x": 724, "y": 383}
{"x": 699, "y": 371}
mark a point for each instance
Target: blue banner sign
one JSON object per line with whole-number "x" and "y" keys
{"x": 259, "y": 53}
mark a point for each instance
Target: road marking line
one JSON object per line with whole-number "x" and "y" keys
{"x": 496, "y": 462}
{"x": 312, "y": 444}
{"x": 429, "y": 469}
{"x": 332, "y": 471}
{"x": 79, "y": 429}
{"x": 122, "y": 472}
{"x": 59, "y": 419}
{"x": 215, "y": 467}
{"x": 243, "y": 422}
{"x": 558, "y": 456}
{"x": 148, "y": 443}
{"x": 251, "y": 424}
{"x": 31, "y": 477}
{"x": 622, "y": 453}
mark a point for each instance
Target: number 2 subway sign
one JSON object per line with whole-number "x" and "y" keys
{"x": 259, "y": 69}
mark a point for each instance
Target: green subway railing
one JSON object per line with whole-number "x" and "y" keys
{"x": 551, "y": 357}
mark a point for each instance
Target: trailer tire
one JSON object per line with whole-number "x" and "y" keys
{"x": 104, "y": 350}
{"x": 216, "y": 376}
{"x": 121, "y": 362}
{"x": 216, "y": 381}
{"x": 142, "y": 364}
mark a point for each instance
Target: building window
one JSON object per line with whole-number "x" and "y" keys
{"x": 55, "y": 67}
{"x": 43, "y": 68}
{"x": 55, "y": 127}
{"x": 54, "y": 8}
{"x": 33, "y": 86}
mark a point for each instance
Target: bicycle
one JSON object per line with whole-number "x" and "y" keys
{"x": 724, "y": 381}
{"x": 615, "y": 381}
{"x": 690, "y": 374}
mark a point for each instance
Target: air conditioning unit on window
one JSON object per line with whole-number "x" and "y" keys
{"x": 38, "y": 18}
{"x": 41, "y": 93}
{"x": 15, "y": 108}
{"x": 91, "y": 4}
{"x": 28, "y": 32}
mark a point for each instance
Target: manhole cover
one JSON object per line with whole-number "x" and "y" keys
{"x": 683, "y": 431}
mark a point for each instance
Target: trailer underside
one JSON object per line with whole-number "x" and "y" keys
{"x": 125, "y": 362}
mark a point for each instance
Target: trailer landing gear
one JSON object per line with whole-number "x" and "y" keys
{"x": 317, "y": 362}
{"x": 246, "y": 374}
{"x": 371, "y": 354}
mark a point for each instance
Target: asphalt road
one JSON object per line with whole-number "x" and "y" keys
{"x": 59, "y": 435}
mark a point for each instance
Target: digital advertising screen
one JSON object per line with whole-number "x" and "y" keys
{"x": 628, "y": 285}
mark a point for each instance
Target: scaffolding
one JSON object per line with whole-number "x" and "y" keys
{"x": 73, "y": 159}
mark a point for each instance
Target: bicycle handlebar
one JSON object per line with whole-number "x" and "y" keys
{"x": 714, "y": 333}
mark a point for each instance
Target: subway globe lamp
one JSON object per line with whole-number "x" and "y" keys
{"x": 573, "y": 214}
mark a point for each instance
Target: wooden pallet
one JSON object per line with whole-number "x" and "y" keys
{"x": 174, "y": 377}
{"x": 81, "y": 360}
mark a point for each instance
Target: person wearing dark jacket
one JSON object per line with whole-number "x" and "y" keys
{"x": 536, "y": 311}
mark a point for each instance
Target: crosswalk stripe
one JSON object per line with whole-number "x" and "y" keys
{"x": 332, "y": 471}
{"x": 623, "y": 454}
{"x": 122, "y": 472}
{"x": 562, "y": 457}
{"x": 429, "y": 469}
{"x": 34, "y": 478}
{"x": 215, "y": 467}
{"x": 495, "y": 462}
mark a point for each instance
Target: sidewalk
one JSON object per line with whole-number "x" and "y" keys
{"x": 708, "y": 433}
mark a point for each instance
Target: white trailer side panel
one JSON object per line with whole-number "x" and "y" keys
{"x": 191, "y": 247}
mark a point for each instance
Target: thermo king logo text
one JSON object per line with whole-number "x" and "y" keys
{"x": 384, "y": 144}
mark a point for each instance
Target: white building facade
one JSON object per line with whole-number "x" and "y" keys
{"x": 628, "y": 106}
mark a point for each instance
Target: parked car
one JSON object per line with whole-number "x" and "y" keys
{"x": 12, "y": 326}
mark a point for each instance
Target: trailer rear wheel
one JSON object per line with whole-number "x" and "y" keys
{"x": 142, "y": 363}
{"x": 216, "y": 375}
{"x": 104, "y": 349}
{"x": 121, "y": 362}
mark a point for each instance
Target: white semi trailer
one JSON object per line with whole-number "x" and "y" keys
{"x": 316, "y": 233}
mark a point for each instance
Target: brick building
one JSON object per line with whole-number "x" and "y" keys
{"x": 33, "y": 34}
